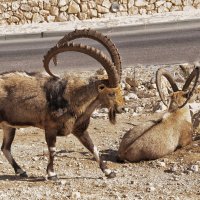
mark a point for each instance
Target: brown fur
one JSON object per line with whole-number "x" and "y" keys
{"x": 153, "y": 140}
{"x": 59, "y": 106}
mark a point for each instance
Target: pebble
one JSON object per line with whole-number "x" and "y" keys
{"x": 151, "y": 189}
{"x": 194, "y": 168}
{"x": 76, "y": 195}
{"x": 161, "y": 164}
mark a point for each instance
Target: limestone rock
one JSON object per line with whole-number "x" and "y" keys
{"x": 47, "y": 6}
{"x": 91, "y": 4}
{"x": 133, "y": 10}
{"x": 159, "y": 3}
{"x": 177, "y": 2}
{"x": 28, "y": 15}
{"x": 35, "y": 9}
{"x": 74, "y": 8}
{"x": 84, "y": 7}
{"x": 37, "y": 18}
{"x": 64, "y": 8}
{"x": 33, "y": 3}
{"x": 54, "y": 2}
{"x": 44, "y": 12}
{"x": 13, "y": 19}
{"x": 106, "y": 3}
{"x": 54, "y": 11}
{"x": 102, "y": 9}
{"x": 62, "y": 3}
{"x": 51, "y": 18}
{"x": 62, "y": 17}
{"x": 15, "y": 6}
{"x": 92, "y": 13}
{"x": 25, "y": 7}
{"x": 141, "y": 3}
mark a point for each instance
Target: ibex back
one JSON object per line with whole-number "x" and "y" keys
{"x": 60, "y": 106}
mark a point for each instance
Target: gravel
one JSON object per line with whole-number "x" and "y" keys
{"x": 173, "y": 177}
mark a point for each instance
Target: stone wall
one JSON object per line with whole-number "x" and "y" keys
{"x": 38, "y": 11}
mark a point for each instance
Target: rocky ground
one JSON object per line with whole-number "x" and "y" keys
{"x": 173, "y": 177}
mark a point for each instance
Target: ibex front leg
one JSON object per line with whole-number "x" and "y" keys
{"x": 85, "y": 139}
{"x": 8, "y": 137}
{"x": 50, "y": 136}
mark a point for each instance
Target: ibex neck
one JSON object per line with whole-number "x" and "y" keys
{"x": 84, "y": 99}
{"x": 182, "y": 113}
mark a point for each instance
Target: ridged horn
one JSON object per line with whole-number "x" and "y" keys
{"x": 162, "y": 72}
{"x": 194, "y": 75}
{"x": 91, "y": 51}
{"x": 99, "y": 37}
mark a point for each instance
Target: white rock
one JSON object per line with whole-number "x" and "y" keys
{"x": 54, "y": 11}
{"x": 133, "y": 10}
{"x": 62, "y": 17}
{"x": 25, "y": 7}
{"x": 141, "y": 3}
{"x": 106, "y": 3}
{"x": 188, "y": 2}
{"x": 15, "y": 6}
{"x": 37, "y": 18}
{"x": 74, "y": 8}
{"x": 102, "y": 9}
{"x": 132, "y": 96}
{"x": 177, "y": 2}
{"x": 194, "y": 168}
{"x": 76, "y": 195}
{"x": 159, "y": 3}
{"x": 51, "y": 18}
{"x": 151, "y": 189}
{"x": 161, "y": 164}
{"x": 62, "y": 3}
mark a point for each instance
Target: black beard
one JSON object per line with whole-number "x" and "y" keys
{"x": 112, "y": 115}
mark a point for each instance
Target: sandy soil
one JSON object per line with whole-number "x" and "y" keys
{"x": 174, "y": 177}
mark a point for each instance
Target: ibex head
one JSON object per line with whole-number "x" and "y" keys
{"x": 110, "y": 95}
{"x": 112, "y": 99}
{"x": 178, "y": 98}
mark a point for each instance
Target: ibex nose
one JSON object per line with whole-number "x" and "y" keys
{"x": 120, "y": 109}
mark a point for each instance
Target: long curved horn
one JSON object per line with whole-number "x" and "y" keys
{"x": 162, "y": 72}
{"x": 91, "y": 51}
{"x": 194, "y": 75}
{"x": 99, "y": 37}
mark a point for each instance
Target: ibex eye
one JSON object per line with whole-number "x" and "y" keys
{"x": 112, "y": 94}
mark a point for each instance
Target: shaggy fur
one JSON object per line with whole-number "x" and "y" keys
{"x": 59, "y": 106}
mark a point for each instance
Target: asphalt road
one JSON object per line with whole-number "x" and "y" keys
{"x": 159, "y": 44}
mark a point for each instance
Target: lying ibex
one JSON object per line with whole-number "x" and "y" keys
{"x": 154, "y": 139}
{"x": 60, "y": 106}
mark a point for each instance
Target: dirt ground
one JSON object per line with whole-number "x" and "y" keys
{"x": 173, "y": 177}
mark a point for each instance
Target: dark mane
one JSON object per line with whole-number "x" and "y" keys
{"x": 54, "y": 89}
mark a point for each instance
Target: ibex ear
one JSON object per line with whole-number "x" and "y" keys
{"x": 101, "y": 87}
{"x": 186, "y": 94}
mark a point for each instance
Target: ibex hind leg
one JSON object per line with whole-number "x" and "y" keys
{"x": 85, "y": 139}
{"x": 50, "y": 136}
{"x": 8, "y": 137}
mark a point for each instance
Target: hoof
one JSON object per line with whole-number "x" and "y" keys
{"x": 111, "y": 175}
{"x": 23, "y": 175}
{"x": 53, "y": 178}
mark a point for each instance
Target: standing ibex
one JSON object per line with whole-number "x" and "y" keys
{"x": 153, "y": 140}
{"x": 60, "y": 106}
